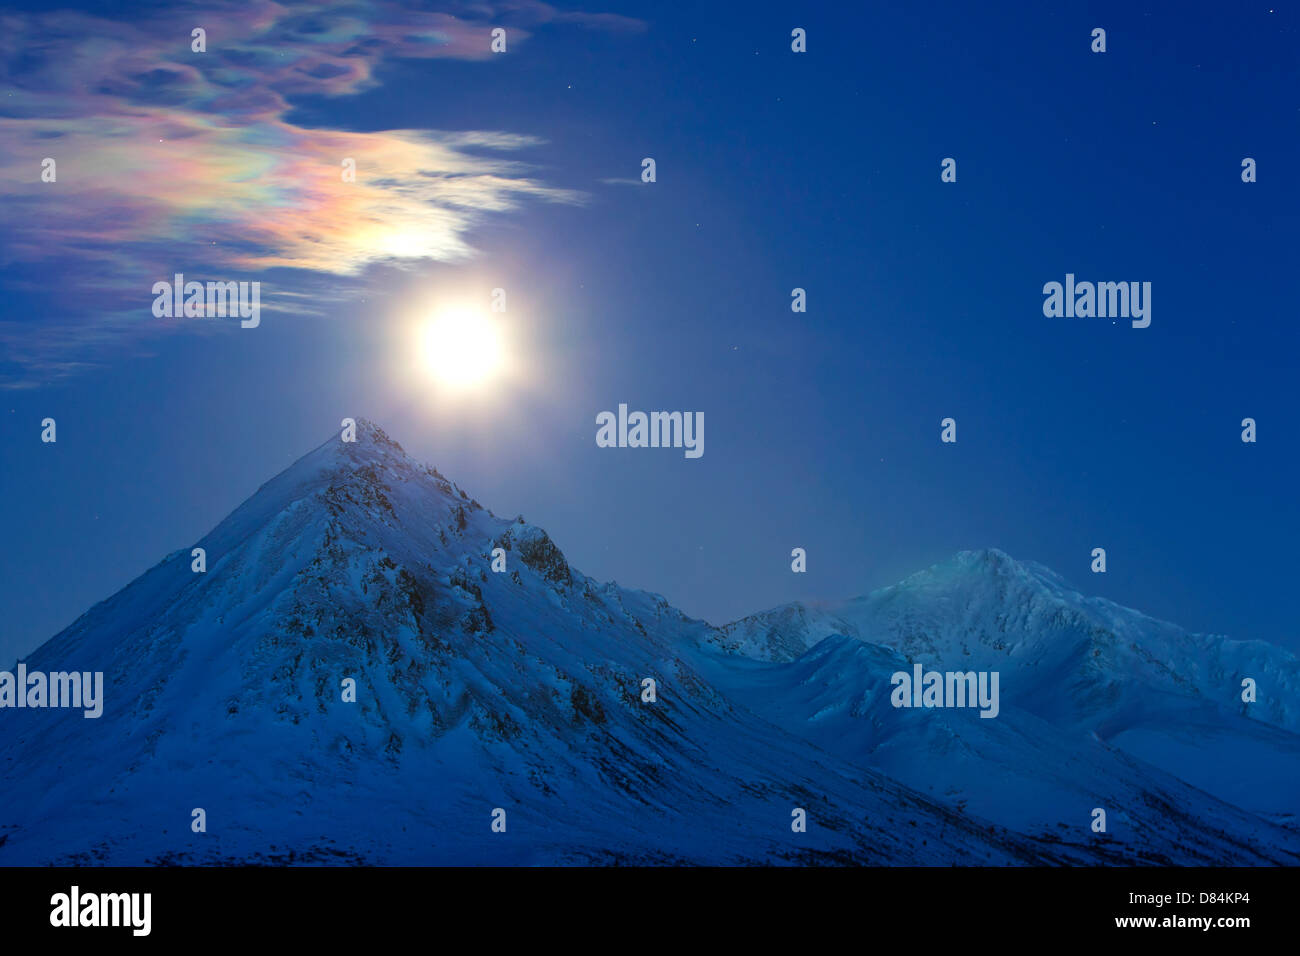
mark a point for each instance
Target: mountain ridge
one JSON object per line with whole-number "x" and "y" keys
{"x": 520, "y": 690}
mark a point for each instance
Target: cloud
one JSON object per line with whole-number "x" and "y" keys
{"x": 171, "y": 160}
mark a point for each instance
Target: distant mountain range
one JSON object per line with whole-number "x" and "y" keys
{"x": 522, "y": 691}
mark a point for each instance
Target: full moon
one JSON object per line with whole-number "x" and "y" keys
{"x": 461, "y": 347}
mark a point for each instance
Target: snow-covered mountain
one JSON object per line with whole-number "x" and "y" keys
{"x": 522, "y": 691}
{"x": 1084, "y": 669}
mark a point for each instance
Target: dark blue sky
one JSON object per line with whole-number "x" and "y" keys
{"x": 775, "y": 170}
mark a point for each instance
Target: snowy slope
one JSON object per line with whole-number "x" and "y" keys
{"x": 1016, "y": 770}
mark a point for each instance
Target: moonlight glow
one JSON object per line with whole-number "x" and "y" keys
{"x": 461, "y": 347}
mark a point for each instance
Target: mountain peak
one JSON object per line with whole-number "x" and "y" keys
{"x": 367, "y": 440}
{"x": 988, "y": 556}
{"x": 370, "y": 433}
{"x": 989, "y": 563}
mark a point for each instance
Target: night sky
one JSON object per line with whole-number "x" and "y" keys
{"x": 775, "y": 170}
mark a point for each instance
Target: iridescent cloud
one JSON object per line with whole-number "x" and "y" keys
{"x": 168, "y": 158}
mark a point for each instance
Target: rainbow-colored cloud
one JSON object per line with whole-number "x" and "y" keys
{"x": 169, "y": 158}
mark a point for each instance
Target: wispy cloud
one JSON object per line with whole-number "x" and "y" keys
{"x": 170, "y": 159}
